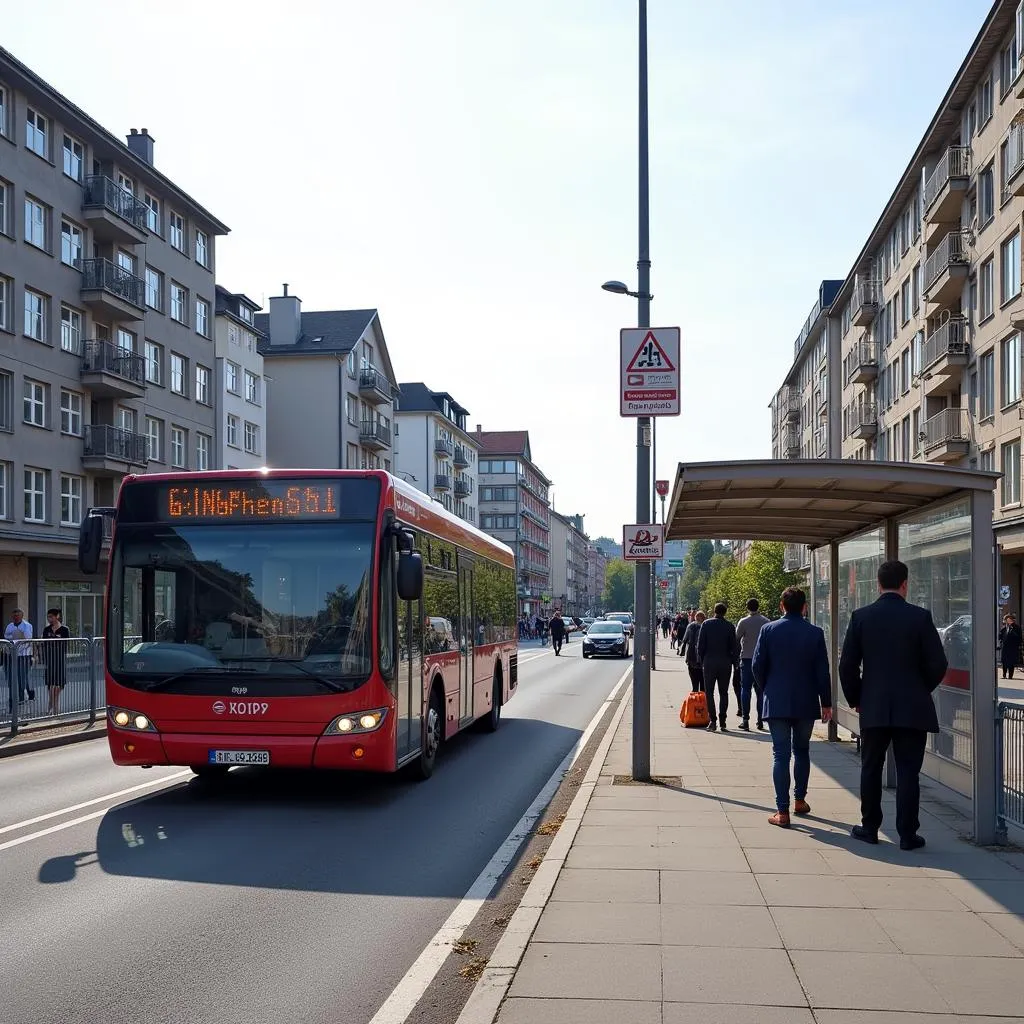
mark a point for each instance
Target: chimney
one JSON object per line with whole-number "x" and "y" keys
{"x": 478, "y": 428}
{"x": 285, "y": 319}
{"x": 141, "y": 144}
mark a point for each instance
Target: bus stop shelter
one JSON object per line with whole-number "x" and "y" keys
{"x": 853, "y": 515}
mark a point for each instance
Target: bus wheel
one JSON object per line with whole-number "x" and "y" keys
{"x": 432, "y": 732}
{"x": 209, "y": 772}
{"x": 492, "y": 719}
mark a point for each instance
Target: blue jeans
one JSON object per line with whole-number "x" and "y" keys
{"x": 746, "y": 685}
{"x": 791, "y": 738}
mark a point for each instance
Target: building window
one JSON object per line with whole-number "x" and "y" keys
{"x": 154, "y": 439}
{"x": 245, "y": 312}
{"x": 6, "y": 401}
{"x": 127, "y": 419}
{"x": 1011, "y": 472}
{"x": 231, "y": 377}
{"x": 1010, "y": 266}
{"x": 351, "y": 361}
{"x": 179, "y": 303}
{"x": 153, "y": 213}
{"x": 987, "y": 382}
{"x": 1010, "y": 359}
{"x": 70, "y": 243}
{"x": 35, "y": 495}
{"x": 154, "y": 289}
{"x": 203, "y": 317}
{"x": 5, "y": 490}
{"x": 1007, "y": 67}
{"x": 987, "y": 461}
{"x": 178, "y": 447}
{"x": 252, "y": 388}
{"x": 6, "y": 292}
{"x": 177, "y": 373}
{"x": 177, "y": 232}
{"x": 202, "y": 451}
{"x": 3, "y": 113}
{"x": 36, "y": 128}
{"x": 126, "y": 261}
{"x": 126, "y": 183}
{"x": 987, "y": 288}
{"x": 252, "y": 438}
{"x": 37, "y": 216}
{"x": 986, "y": 195}
{"x": 5, "y": 207}
{"x": 74, "y": 158}
{"x": 154, "y": 362}
{"x": 203, "y": 249}
{"x": 70, "y": 500}
{"x": 202, "y": 385}
{"x": 125, "y": 342}
{"x": 232, "y": 431}
{"x": 985, "y": 100}
{"x": 70, "y": 412}
{"x": 35, "y": 315}
{"x": 70, "y": 330}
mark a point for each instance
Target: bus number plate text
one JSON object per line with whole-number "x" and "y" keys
{"x": 239, "y": 757}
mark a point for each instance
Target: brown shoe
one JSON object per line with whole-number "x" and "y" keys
{"x": 780, "y": 818}
{"x": 801, "y": 807}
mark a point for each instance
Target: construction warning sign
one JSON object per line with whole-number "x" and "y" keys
{"x": 649, "y": 371}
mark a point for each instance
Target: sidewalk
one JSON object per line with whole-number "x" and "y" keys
{"x": 679, "y": 903}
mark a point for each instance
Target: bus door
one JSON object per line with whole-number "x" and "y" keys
{"x": 467, "y": 634}
{"x": 409, "y": 679}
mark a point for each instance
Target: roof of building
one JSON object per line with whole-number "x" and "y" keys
{"x": 417, "y": 397}
{"x": 334, "y": 331}
{"x": 503, "y": 442}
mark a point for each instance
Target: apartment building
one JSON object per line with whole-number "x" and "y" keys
{"x": 241, "y": 414}
{"x": 106, "y": 318}
{"x": 597, "y": 568}
{"x": 570, "y": 581}
{"x": 514, "y": 507}
{"x": 330, "y": 387}
{"x": 433, "y": 450}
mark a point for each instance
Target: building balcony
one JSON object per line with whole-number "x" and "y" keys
{"x": 443, "y": 447}
{"x": 945, "y": 270}
{"x": 1014, "y": 183}
{"x": 113, "y": 451}
{"x": 461, "y": 457}
{"x": 442, "y": 482}
{"x": 374, "y": 386}
{"x": 944, "y": 190}
{"x": 463, "y": 487}
{"x": 374, "y": 435}
{"x": 861, "y": 420}
{"x": 792, "y": 443}
{"x": 111, "y": 292}
{"x": 789, "y": 404}
{"x": 113, "y": 213}
{"x": 944, "y": 357}
{"x": 945, "y": 437}
{"x": 865, "y": 302}
{"x": 861, "y": 363}
{"x": 109, "y": 371}
{"x": 821, "y": 444}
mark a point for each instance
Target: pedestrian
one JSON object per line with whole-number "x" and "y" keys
{"x": 19, "y": 630}
{"x": 557, "y": 627}
{"x": 55, "y": 657}
{"x": 1009, "y": 645}
{"x": 790, "y": 664}
{"x": 666, "y": 625}
{"x": 748, "y": 629}
{"x": 892, "y": 662}
{"x": 688, "y": 649}
{"x": 679, "y": 624}
{"x": 717, "y": 651}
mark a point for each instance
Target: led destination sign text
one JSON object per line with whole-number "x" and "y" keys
{"x": 264, "y": 500}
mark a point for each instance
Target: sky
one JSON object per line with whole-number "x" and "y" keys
{"x": 468, "y": 167}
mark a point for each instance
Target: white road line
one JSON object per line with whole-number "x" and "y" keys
{"x": 89, "y": 803}
{"x": 52, "y": 829}
{"x": 408, "y": 992}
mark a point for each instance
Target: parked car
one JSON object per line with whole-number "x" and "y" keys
{"x": 626, "y": 618}
{"x": 606, "y": 638}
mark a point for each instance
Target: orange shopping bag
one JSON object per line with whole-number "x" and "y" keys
{"x": 694, "y": 711}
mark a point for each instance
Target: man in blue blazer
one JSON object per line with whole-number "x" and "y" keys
{"x": 791, "y": 666}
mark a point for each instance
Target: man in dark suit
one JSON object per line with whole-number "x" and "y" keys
{"x": 891, "y": 663}
{"x": 717, "y": 652}
{"x": 790, "y": 667}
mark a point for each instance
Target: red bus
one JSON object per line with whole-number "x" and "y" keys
{"x": 303, "y": 619}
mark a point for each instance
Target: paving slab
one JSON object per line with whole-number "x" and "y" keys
{"x": 725, "y": 1013}
{"x": 579, "y": 1011}
{"x": 632, "y": 923}
{"x": 977, "y": 984}
{"x": 725, "y": 927}
{"x": 757, "y": 977}
{"x": 847, "y": 930}
{"x": 574, "y": 970}
{"x": 606, "y": 886}
{"x": 944, "y": 933}
{"x": 710, "y": 888}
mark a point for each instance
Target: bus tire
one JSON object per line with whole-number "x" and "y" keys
{"x": 209, "y": 772}
{"x": 433, "y": 736}
{"x": 491, "y": 721}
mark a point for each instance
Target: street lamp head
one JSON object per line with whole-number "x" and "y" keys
{"x": 615, "y": 286}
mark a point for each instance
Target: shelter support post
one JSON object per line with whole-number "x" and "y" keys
{"x": 836, "y": 641}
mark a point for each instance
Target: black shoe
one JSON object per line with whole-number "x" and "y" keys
{"x": 914, "y": 842}
{"x": 712, "y": 727}
{"x": 723, "y": 726}
{"x": 745, "y": 725}
{"x": 865, "y": 835}
{"x": 760, "y": 726}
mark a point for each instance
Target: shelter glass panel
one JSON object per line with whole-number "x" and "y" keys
{"x": 857, "y": 585}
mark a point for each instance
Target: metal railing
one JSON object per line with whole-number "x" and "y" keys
{"x": 443, "y": 446}
{"x": 106, "y": 357}
{"x": 371, "y": 431}
{"x": 373, "y": 380}
{"x": 863, "y": 353}
{"x": 789, "y": 402}
{"x": 953, "y": 249}
{"x": 792, "y": 442}
{"x": 442, "y": 482}
{"x": 105, "y": 441}
{"x": 101, "y": 191}
{"x": 103, "y": 275}
{"x": 945, "y": 426}
{"x": 949, "y": 340}
{"x": 461, "y": 456}
{"x": 954, "y": 163}
{"x": 860, "y": 414}
{"x": 1010, "y": 765}
{"x": 463, "y": 487}
{"x": 867, "y": 294}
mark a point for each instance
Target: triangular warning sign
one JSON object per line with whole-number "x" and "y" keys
{"x": 650, "y": 357}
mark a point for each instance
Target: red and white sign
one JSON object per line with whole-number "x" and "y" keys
{"x": 662, "y": 488}
{"x": 649, "y": 371}
{"x": 643, "y": 542}
{"x": 663, "y": 584}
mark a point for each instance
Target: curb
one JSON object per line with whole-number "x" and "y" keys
{"x": 490, "y": 991}
{"x": 48, "y": 742}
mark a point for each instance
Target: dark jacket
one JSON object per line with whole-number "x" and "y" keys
{"x": 690, "y": 642}
{"x": 1009, "y": 641}
{"x": 717, "y": 642}
{"x": 790, "y": 663}
{"x": 557, "y": 625}
{"x": 892, "y": 660}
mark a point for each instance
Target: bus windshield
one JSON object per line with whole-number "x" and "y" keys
{"x": 286, "y": 605}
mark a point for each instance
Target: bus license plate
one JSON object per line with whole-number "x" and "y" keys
{"x": 239, "y": 757}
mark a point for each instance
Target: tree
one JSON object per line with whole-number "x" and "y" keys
{"x": 761, "y": 576}
{"x": 696, "y": 571}
{"x": 618, "y": 585}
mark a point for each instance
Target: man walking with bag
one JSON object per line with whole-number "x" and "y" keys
{"x": 891, "y": 663}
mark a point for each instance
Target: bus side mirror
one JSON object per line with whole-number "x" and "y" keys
{"x": 90, "y": 538}
{"x": 410, "y": 575}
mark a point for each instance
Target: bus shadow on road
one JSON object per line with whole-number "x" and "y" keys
{"x": 333, "y": 833}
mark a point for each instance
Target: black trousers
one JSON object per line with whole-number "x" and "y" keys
{"x": 696, "y": 676}
{"x": 908, "y": 747}
{"x": 717, "y": 675}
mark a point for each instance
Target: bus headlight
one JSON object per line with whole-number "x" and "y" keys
{"x": 132, "y": 720}
{"x": 357, "y": 722}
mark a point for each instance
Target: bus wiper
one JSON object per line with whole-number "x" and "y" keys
{"x": 329, "y": 684}
{"x": 162, "y": 684}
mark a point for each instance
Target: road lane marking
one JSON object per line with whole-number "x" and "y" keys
{"x": 87, "y": 803}
{"x": 408, "y": 992}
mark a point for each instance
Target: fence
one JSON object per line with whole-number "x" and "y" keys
{"x": 50, "y": 681}
{"x": 1010, "y": 764}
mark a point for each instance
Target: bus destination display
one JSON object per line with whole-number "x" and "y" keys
{"x": 241, "y": 501}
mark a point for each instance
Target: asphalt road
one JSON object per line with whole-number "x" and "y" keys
{"x": 282, "y": 898}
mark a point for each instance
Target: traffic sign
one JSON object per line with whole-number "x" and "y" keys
{"x": 661, "y": 486}
{"x": 675, "y": 563}
{"x": 649, "y": 371}
{"x": 643, "y": 542}
{"x": 663, "y": 584}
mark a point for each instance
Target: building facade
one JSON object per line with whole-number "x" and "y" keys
{"x": 434, "y": 452}
{"x": 570, "y": 580}
{"x": 515, "y": 508}
{"x": 241, "y": 413}
{"x": 330, "y": 387}
{"x": 597, "y": 569}
{"x": 107, "y": 321}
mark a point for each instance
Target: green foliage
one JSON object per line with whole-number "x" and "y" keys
{"x": 696, "y": 572}
{"x": 618, "y": 586}
{"x": 761, "y": 576}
